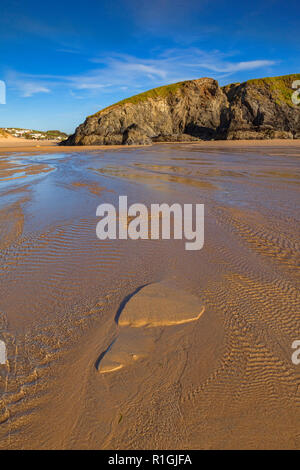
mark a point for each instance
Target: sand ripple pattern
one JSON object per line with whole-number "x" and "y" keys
{"x": 92, "y": 366}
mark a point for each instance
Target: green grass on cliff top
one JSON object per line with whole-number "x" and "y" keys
{"x": 280, "y": 86}
{"x": 160, "y": 92}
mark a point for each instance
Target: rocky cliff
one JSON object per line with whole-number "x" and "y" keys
{"x": 197, "y": 109}
{"x": 261, "y": 109}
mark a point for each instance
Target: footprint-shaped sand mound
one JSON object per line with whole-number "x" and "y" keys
{"x": 158, "y": 304}
{"x": 128, "y": 347}
{"x": 161, "y": 304}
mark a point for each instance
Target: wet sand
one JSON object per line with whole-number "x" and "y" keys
{"x": 123, "y": 344}
{"x": 18, "y": 144}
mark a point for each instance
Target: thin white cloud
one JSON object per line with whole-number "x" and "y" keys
{"x": 120, "y": 72}
{"x": 236, "y": 67}
{"x": 128, "y": 64}
{"x": 89, "y": 86}
{"x": 169, "y": 66}
{"x": 30, "y": 89}
{"x": 25, "y": 86}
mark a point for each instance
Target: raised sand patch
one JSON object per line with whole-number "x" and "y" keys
{"x": 127, "y": 348}
{"x": 161, "y": 304}
{"x": 158, "y": 304}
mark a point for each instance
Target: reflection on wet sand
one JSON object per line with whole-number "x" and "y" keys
{"x": 192, "y": 349}
{"x": 152, "y": 177}
{"x": 10, "y": 169}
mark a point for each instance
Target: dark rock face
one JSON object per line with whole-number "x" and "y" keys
{"x": 197, "y": 109}
{"x": 134, "y": 135}
{"x": 261, "y": 109}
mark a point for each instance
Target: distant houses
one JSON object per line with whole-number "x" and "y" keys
{"x": 36, "y": 135}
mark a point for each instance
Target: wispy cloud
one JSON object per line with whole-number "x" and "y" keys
{"x": 26, "y": 86}
{"x": 31, "y": 88}
{"x": 236, "y": 67}
{"x": 121, "y": 71}
{"x": 125, "y": 72}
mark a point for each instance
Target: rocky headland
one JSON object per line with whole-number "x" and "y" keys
{"x": 197, "y": 110}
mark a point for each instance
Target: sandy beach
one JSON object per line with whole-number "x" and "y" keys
{"x": 140, "y": 344}
{"x": 18, "y": 144}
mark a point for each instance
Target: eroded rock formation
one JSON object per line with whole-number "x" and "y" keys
{"x": 197, "y": 109}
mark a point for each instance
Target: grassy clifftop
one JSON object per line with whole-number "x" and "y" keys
{"x": 280, "y": 87}
{"x": 160, "y": 92}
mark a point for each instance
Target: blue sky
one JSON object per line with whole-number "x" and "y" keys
{"x": 63, "y": 60}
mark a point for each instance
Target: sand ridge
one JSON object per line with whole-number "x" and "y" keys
{"x": 160, "y": 304}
